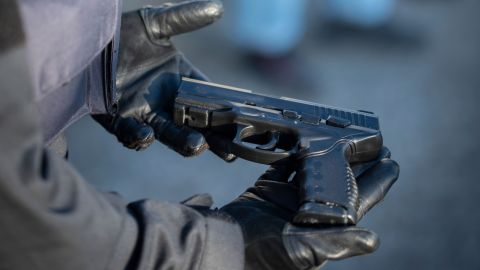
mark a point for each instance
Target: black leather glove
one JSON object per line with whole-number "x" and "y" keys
{"x": 271, "y": 242}
{"x": 149, "y": 73}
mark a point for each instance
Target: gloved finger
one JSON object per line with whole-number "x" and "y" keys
{"x": 187, "y": 69}
{"x": 273, "y": 186}
{"x": 361, "y": 167}
{"x": 183, "y": 140}
{"x": 281, "y": 194}
{"x": 105, "y": 120}
{"x": 278, "y": 173}
{"x": 310, "y": 247}
{"x": 199, "y": 200}
{"x": 375, "y": 183}
{"x": 169, "y": 20}
{"x": 220, "y": 146}
{"x": 132, "y": 133}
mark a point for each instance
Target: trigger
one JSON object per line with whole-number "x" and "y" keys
{"x": 271, "y": 144}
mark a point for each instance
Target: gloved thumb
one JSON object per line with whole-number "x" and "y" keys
{"x": 174, "y": 19}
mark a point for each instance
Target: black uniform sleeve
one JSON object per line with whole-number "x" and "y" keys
{"x": 50, "y": 218}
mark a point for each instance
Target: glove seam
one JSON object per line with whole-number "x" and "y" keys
{"x": 161, "y": 41}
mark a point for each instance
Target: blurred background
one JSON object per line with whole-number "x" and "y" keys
{"x": 415, "y": 63}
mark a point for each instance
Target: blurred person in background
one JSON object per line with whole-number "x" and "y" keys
{"x": 363, "y": 14}
{"x": 370, "y": 21}
{"x": 62, "y": 60}
{"x": 270, "y": 31}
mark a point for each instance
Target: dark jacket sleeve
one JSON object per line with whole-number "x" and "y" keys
{"x": 50, "y": 218}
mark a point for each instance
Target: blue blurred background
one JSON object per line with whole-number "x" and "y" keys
{"x": 416, "y": 63}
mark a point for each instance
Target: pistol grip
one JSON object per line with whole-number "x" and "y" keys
{"x": 328, "y": 189}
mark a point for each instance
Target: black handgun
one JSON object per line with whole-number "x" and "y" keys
{"x": 321, "y": 139}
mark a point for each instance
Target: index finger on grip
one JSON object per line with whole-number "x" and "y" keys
{"x": 220, "y": 146}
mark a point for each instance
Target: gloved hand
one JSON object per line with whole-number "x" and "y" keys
{"x": 271, "y": 242}
{"x": 149, "y": 73}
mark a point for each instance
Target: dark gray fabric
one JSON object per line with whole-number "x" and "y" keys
{"x": 65, "y": 41}
{"x": 58, "y": 109}
{"x": 50, "y": 218}
{"x": 68, "y": 31}
{"x": 59, "y": 146}
{"x": 9, "y": 17}
{"x": 83, "y": 94}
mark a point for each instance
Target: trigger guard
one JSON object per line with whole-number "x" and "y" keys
{"x": 264, "y": 156}
{"x": 271, "y": 144}
{"x": 258, "y": 155}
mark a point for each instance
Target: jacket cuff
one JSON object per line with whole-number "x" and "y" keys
{"x": 110, "y": 62}
{"x": 224, "y": 247}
